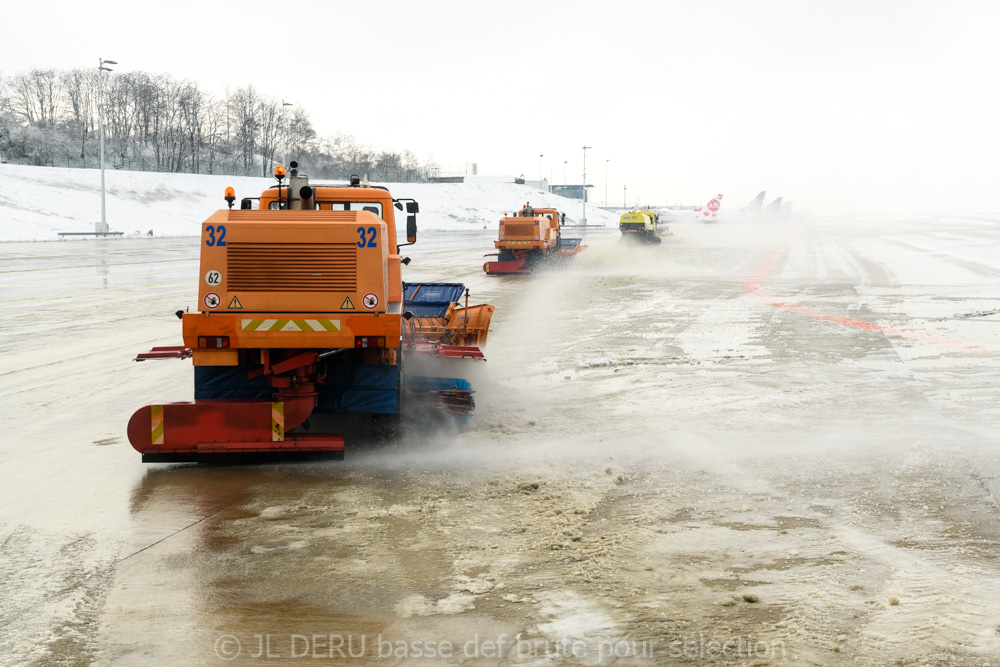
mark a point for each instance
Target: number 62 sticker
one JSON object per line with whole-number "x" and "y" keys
{"x": 213, "y": 278}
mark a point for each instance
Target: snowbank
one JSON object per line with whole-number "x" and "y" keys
{"x": 38, "y": 202}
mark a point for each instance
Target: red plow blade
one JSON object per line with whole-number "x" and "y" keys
{"x": 185, "y": 431}
{"x": 170, "y": 352}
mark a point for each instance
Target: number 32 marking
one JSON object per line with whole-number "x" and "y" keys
{"x": 367, "y": 242}
{"x": 211, "y": 240}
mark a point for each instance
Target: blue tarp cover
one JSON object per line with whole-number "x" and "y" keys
{"x": 431, "y": 299}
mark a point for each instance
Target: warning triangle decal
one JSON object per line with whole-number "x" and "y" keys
{"x": 235, "y": 304}
{"x": 347, "y": 305}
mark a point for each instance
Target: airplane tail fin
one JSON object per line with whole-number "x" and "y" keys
{"x": 709, "y": 211}
{"x": 755, "y": 203}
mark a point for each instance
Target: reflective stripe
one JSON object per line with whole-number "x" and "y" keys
{"x": 291, "y": 325}
{"x": 156, "y": 433}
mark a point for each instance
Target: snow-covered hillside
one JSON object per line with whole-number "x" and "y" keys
{"x": 38, "y": 202}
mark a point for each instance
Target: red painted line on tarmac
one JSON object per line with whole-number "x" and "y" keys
{"x": 754, "y": 286}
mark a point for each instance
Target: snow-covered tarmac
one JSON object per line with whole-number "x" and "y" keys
{"x": 684, "y": 454}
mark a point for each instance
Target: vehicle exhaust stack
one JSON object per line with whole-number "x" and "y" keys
{"x": 301, "y": 198}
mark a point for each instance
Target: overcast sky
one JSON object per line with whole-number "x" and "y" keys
{"x": 845, "y": 105}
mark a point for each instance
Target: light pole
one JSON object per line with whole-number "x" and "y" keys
{"x": 565, "y": 172}
{"x": 606, "y": 181}
{"x": 625, "y": 198}
{"x": 284, "y": 131}
{"x": 540, "y": 156}
{"x": 584, "y": 186}
{"x": 102, "y": 227}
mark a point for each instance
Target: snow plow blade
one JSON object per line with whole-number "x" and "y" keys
{"x": 169, "y": 352}
{"x": 507, "y": 267}
{"x": 570, "y": 247}
{"x": 192, "y": 431}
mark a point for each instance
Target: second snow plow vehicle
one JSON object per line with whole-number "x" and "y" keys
{"x": 303, "y": 318}
{"x": 529, "y": 239}
{"x": 639, "y": 226}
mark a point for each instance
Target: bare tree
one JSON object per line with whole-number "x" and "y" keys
{"x": 33, "y": 92}
{"x": 244, "y": 104}
{"x": 410, "y": 166}
{"x": 7, "y": 120}
{"x": 387, "y": 166}
{"x": 301, "y": 135}
{"x": 213, "y": 120}
{"x": 190, "y": 104}
{"x": 361, "y": 159}
{"x": 158, "y": 122}
{"x": 269, "y": 113}
{"x": 79, "y": 87}
{"x": 120, "y": 113}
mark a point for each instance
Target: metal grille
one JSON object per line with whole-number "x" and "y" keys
{"x": 519, "y": 229}
{"x": 292, "y": 267}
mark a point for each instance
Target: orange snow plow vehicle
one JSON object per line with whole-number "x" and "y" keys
{"x": 529, "y": 239}
{"x": 303, "y": 314}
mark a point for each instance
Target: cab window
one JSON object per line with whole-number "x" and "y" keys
{"x": 372, "y": 206}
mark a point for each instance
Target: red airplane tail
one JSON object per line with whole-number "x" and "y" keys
{"x": 709, "y": 212}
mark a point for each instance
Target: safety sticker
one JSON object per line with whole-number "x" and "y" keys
{"x": 213, "y": 278}
{"x": 291, "y": 325}
{"x": 370, "y": 300}
{"x": 347, "y": 305}
{"x": 212, "y": 300}
{"x": 235, "y": 304}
